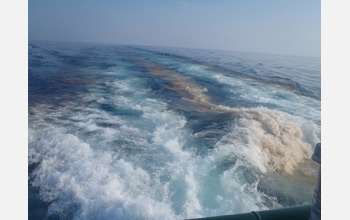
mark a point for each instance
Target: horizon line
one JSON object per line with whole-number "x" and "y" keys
{"x": 183, "y": 47}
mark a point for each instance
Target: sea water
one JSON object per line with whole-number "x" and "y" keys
{"x": 136, "y": 132}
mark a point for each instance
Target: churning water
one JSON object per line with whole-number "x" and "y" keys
{"x": 131, "y": 132}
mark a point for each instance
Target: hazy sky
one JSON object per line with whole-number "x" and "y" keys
{"x": 268, "y": 26}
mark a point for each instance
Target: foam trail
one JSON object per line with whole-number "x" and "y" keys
{"x": 275, "y": 138}
{"x": 181, "y": 85}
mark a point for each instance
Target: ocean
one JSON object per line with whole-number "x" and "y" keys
{"x": 141, "y": 132}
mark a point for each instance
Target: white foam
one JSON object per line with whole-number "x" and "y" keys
{"x": 81, "y": 171}
{"x": 72, "y": 173}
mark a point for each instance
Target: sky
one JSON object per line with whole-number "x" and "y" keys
{"x": 266, "y": 26}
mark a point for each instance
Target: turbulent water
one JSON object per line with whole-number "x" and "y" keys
{"x": 131, "y": 132}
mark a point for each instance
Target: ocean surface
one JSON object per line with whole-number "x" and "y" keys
{"x": 136, "y": 132}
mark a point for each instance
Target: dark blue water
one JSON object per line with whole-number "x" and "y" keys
{"x": 131, "y": 132}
